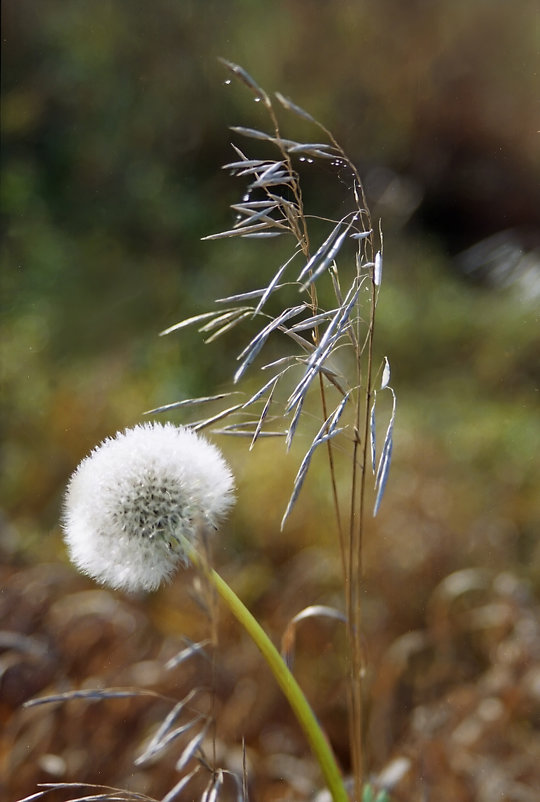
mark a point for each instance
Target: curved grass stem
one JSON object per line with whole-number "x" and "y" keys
{"x": 286, "y": 681}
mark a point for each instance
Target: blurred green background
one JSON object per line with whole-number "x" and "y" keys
{"x": 114, "y": 127}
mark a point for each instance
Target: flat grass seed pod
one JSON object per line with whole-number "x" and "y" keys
{"x": 130, "y": 502}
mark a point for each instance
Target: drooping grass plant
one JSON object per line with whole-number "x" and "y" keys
{"x": 145, "y": 500}
{"x": 327, "y": 352}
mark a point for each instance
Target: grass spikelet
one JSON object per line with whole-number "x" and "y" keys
{"x": 312, "y": 336}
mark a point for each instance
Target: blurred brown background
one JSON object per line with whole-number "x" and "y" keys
{"x": 114, "y": 127}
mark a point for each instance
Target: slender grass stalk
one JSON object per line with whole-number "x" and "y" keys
{"x": 286, "y": 681}
{"x": 273, "y": 206}
{"x": 150, "y": 519}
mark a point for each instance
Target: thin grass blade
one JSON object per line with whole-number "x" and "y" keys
{"x": 244, "y": 164}
{"x": 281, "y": 179}
{"x": 243, "y": 296}
{"x": 290, "y": 106}
{"x": 253, "y": 348}
{"x": 283, "y": 360}
{"x": 191, "y": 748}
{"x": 302, "y": 473}
{"x": 332, "y": 334}
{"x": 188, "y": 402}
{"x": 327, "y": 260}
{"x": 338, "y": 412}
{"x": 318, "y": 610}
{"x": 120, "y": 795}
{"x": 213, "y": 788}
{"x": 166, "y": 741}
{"x": 253, "y": 133}
{"x": 170, "y": 719}
{"x": 274, "y": 284}
{"x": 319, "y": 154}
{"x": 190, "y": 650}
{"x": 249, "y": 206}
{"x": 285, "y": 203}
{"x": 190, "y": 321}
{"x": 236, "y": 232}
{"x": 256, "y": 169}
{"x": 361, "y": 234}
{"x": 294, "y": 423}
{"x": 228, "y": 326}
{"x": 264, "y": 413}
{"x": 314, "y": 320}
{"x": 265, "y": 234}
{"x": 37, "y": 795}
{"x": 224, "y": 317}
{"x": 203, "y": 424}
{"x": 373, "y": 433}
{"x": 241, "y": 793}
{"x": 269, "y": 171}
{"x": 299, "y": 340}
{"x": 288, "y": 640}
{"x": 245, "y": 77}
{"x": 383, "y": 468}
{"x": 338, "y": 322}
{"x": 180, "y": 785}
{"x": 233, "y": 431}
{"x": 322, "y": 436}
{"x": 321, "y": 252}
{"x": 94, "y": 695}
{"x": 101, "y": 798}
{"x": 334, "y": 378}
{"x": 254, "y": 216}
{"x": 302, "y": 148}
{"x": 259, "y": 394}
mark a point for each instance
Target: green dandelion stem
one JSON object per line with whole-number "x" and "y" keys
{"x": 286, "y": 681}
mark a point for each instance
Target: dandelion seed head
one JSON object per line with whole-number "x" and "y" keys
{"x": 129, "y": 502}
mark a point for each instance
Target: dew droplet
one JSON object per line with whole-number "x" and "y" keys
{"x": 302, "y": 158}
{"x": 257, "y": 100}
{"x": 246, "y": 197}
{"x": 227, "y": 82}
{"x": 310, "y": 161}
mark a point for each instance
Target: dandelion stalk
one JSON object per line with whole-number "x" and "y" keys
{"x": 286, "y": 681}
{"x": 141, "y": 504}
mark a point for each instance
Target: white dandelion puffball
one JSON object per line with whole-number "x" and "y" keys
{"x": 134, "y": 495}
